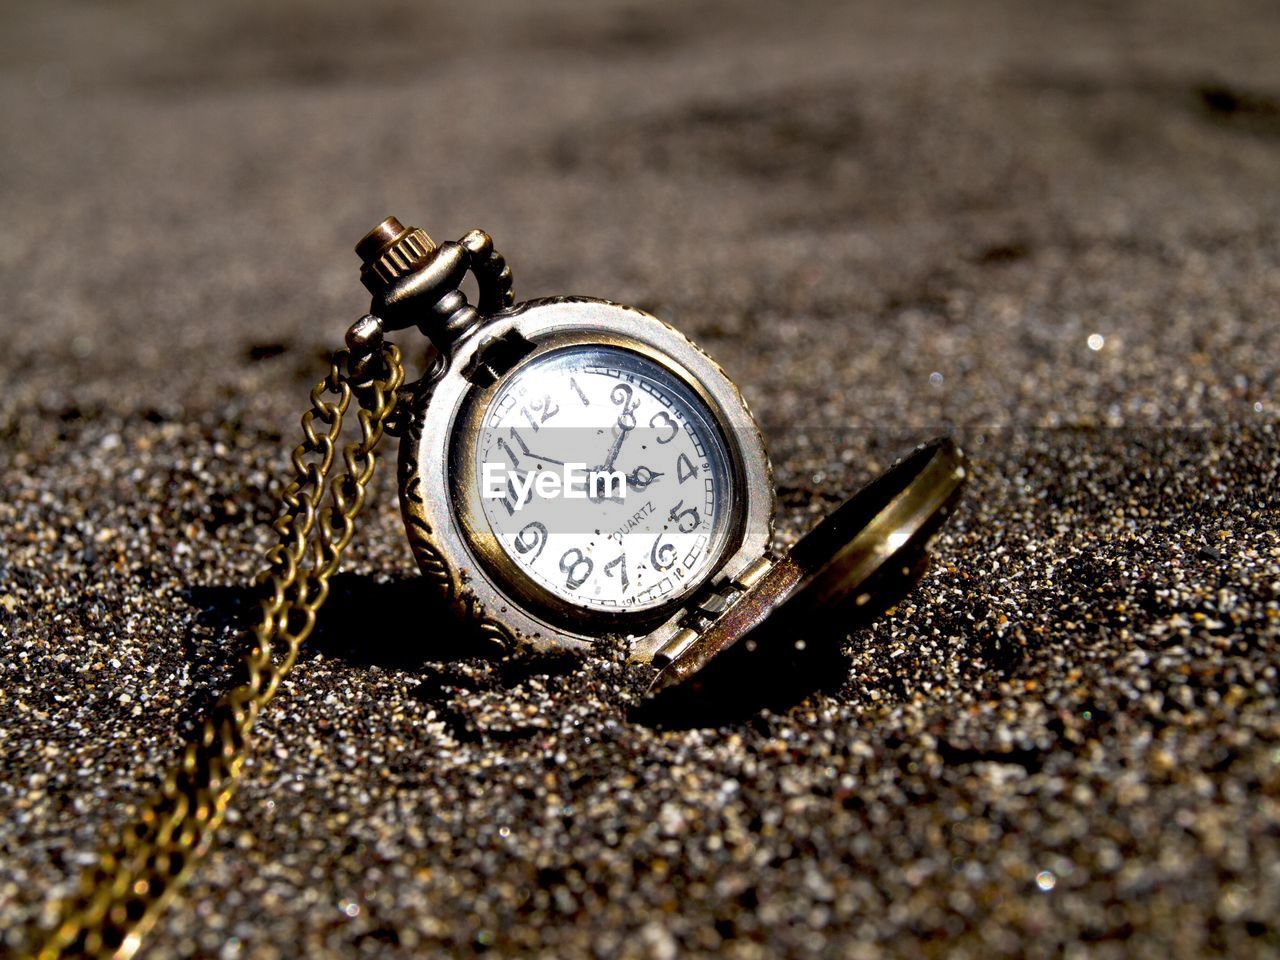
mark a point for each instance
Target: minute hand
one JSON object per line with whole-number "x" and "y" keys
{"x": 607, "y": 466}
{"x": 613, "y": 450}
{"x": 626, "y": 423}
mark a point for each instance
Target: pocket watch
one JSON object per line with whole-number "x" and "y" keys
{"x": 573, "y": 467}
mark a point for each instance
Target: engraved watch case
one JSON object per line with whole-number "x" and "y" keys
{"x": 438, "y": 491}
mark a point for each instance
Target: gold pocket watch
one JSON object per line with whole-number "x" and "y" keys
{"x": 569, "y": 469}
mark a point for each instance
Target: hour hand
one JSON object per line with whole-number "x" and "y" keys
{"x": 641, "y": 477}
{"x": 636, "y": 480}
{"x": 524, "y": 449}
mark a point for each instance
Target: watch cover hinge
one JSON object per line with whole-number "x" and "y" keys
{"x": 722, "y": 595}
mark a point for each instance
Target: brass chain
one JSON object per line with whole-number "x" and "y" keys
{"x": 139, "y": 874}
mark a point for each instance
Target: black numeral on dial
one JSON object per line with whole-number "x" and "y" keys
{"x": 663, "y": 555}
{"x": 608, "y": 570}
{"x": 573, "y": 561}
{"x": 532, "y": 537}
{"x": 662, "y": 421}
{"x": 687, "y": 519}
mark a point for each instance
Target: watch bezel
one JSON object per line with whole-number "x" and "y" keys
{"x": 451, "y": 538}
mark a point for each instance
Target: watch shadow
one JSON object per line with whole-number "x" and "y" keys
{"x": 775, "y": 666}
{"x": 401, "y": 624}
{"x": 784, "y": 669}
{"x": 367, "y": 621}
{"x": 397, "y": 624}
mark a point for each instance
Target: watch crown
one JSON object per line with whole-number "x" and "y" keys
{"x": 389, "y": 251}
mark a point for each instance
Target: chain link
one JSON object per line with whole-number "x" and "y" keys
{"x": 137, "y": 875}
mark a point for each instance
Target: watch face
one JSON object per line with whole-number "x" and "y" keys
{"x": 604, "y": 478}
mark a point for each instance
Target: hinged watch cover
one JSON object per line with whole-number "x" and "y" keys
{"x": 856, "y": 563}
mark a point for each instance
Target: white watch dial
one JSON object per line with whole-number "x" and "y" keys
{"x": 604, "y": 478}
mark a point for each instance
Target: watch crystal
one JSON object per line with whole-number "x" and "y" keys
{"x": 604, "y": 478}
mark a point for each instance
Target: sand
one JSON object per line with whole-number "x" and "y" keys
{"x": 1051, "y": 232}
